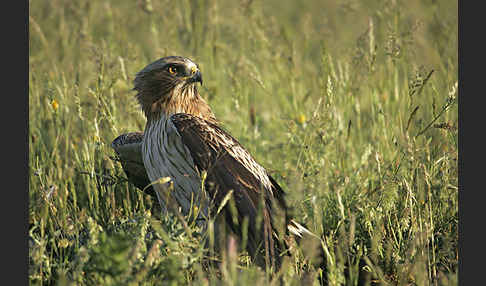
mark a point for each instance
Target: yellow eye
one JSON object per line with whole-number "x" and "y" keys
{"x": 172, "y": 70}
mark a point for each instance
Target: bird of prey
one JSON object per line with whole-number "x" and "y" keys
{"x": 185, "y": 158}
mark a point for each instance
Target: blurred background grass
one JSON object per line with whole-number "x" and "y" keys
{"x": 351, "y": 105}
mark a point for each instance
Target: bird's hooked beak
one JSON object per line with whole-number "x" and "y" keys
{"x": 196, "y": 77}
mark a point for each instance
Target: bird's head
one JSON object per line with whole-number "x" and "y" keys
{"x": 168, "y": 86}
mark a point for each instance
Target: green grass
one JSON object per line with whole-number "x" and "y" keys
{"x": 351, "y": 106}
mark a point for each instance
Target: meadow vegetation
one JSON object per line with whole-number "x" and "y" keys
{"x": 351, "y": 106}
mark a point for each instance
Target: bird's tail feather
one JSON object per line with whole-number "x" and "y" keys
{"x": 298, "y": 230}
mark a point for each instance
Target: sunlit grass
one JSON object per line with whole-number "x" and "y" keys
{"x": 350, "y": 105}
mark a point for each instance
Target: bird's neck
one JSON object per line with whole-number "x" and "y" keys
{"x": 180, "y": 100}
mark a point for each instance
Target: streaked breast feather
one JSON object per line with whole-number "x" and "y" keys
{"x": 166, "y": 156}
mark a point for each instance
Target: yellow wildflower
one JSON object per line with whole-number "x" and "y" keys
{"x": 54, "y": 104}
{"x": 301, "y": 119}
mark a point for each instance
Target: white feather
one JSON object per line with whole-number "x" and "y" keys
{"x": 165, "y": 155}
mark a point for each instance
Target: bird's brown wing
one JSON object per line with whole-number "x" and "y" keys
{"x": 128, "y": 148}
{"x": 230, "y": 167}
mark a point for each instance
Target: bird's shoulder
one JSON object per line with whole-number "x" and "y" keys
{"x": 202, "y": 129}
{"x": 127, "y": 139}
{"x": 209, "y": 143}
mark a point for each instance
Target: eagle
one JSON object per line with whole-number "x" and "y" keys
{"x": 186, "y": 159}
